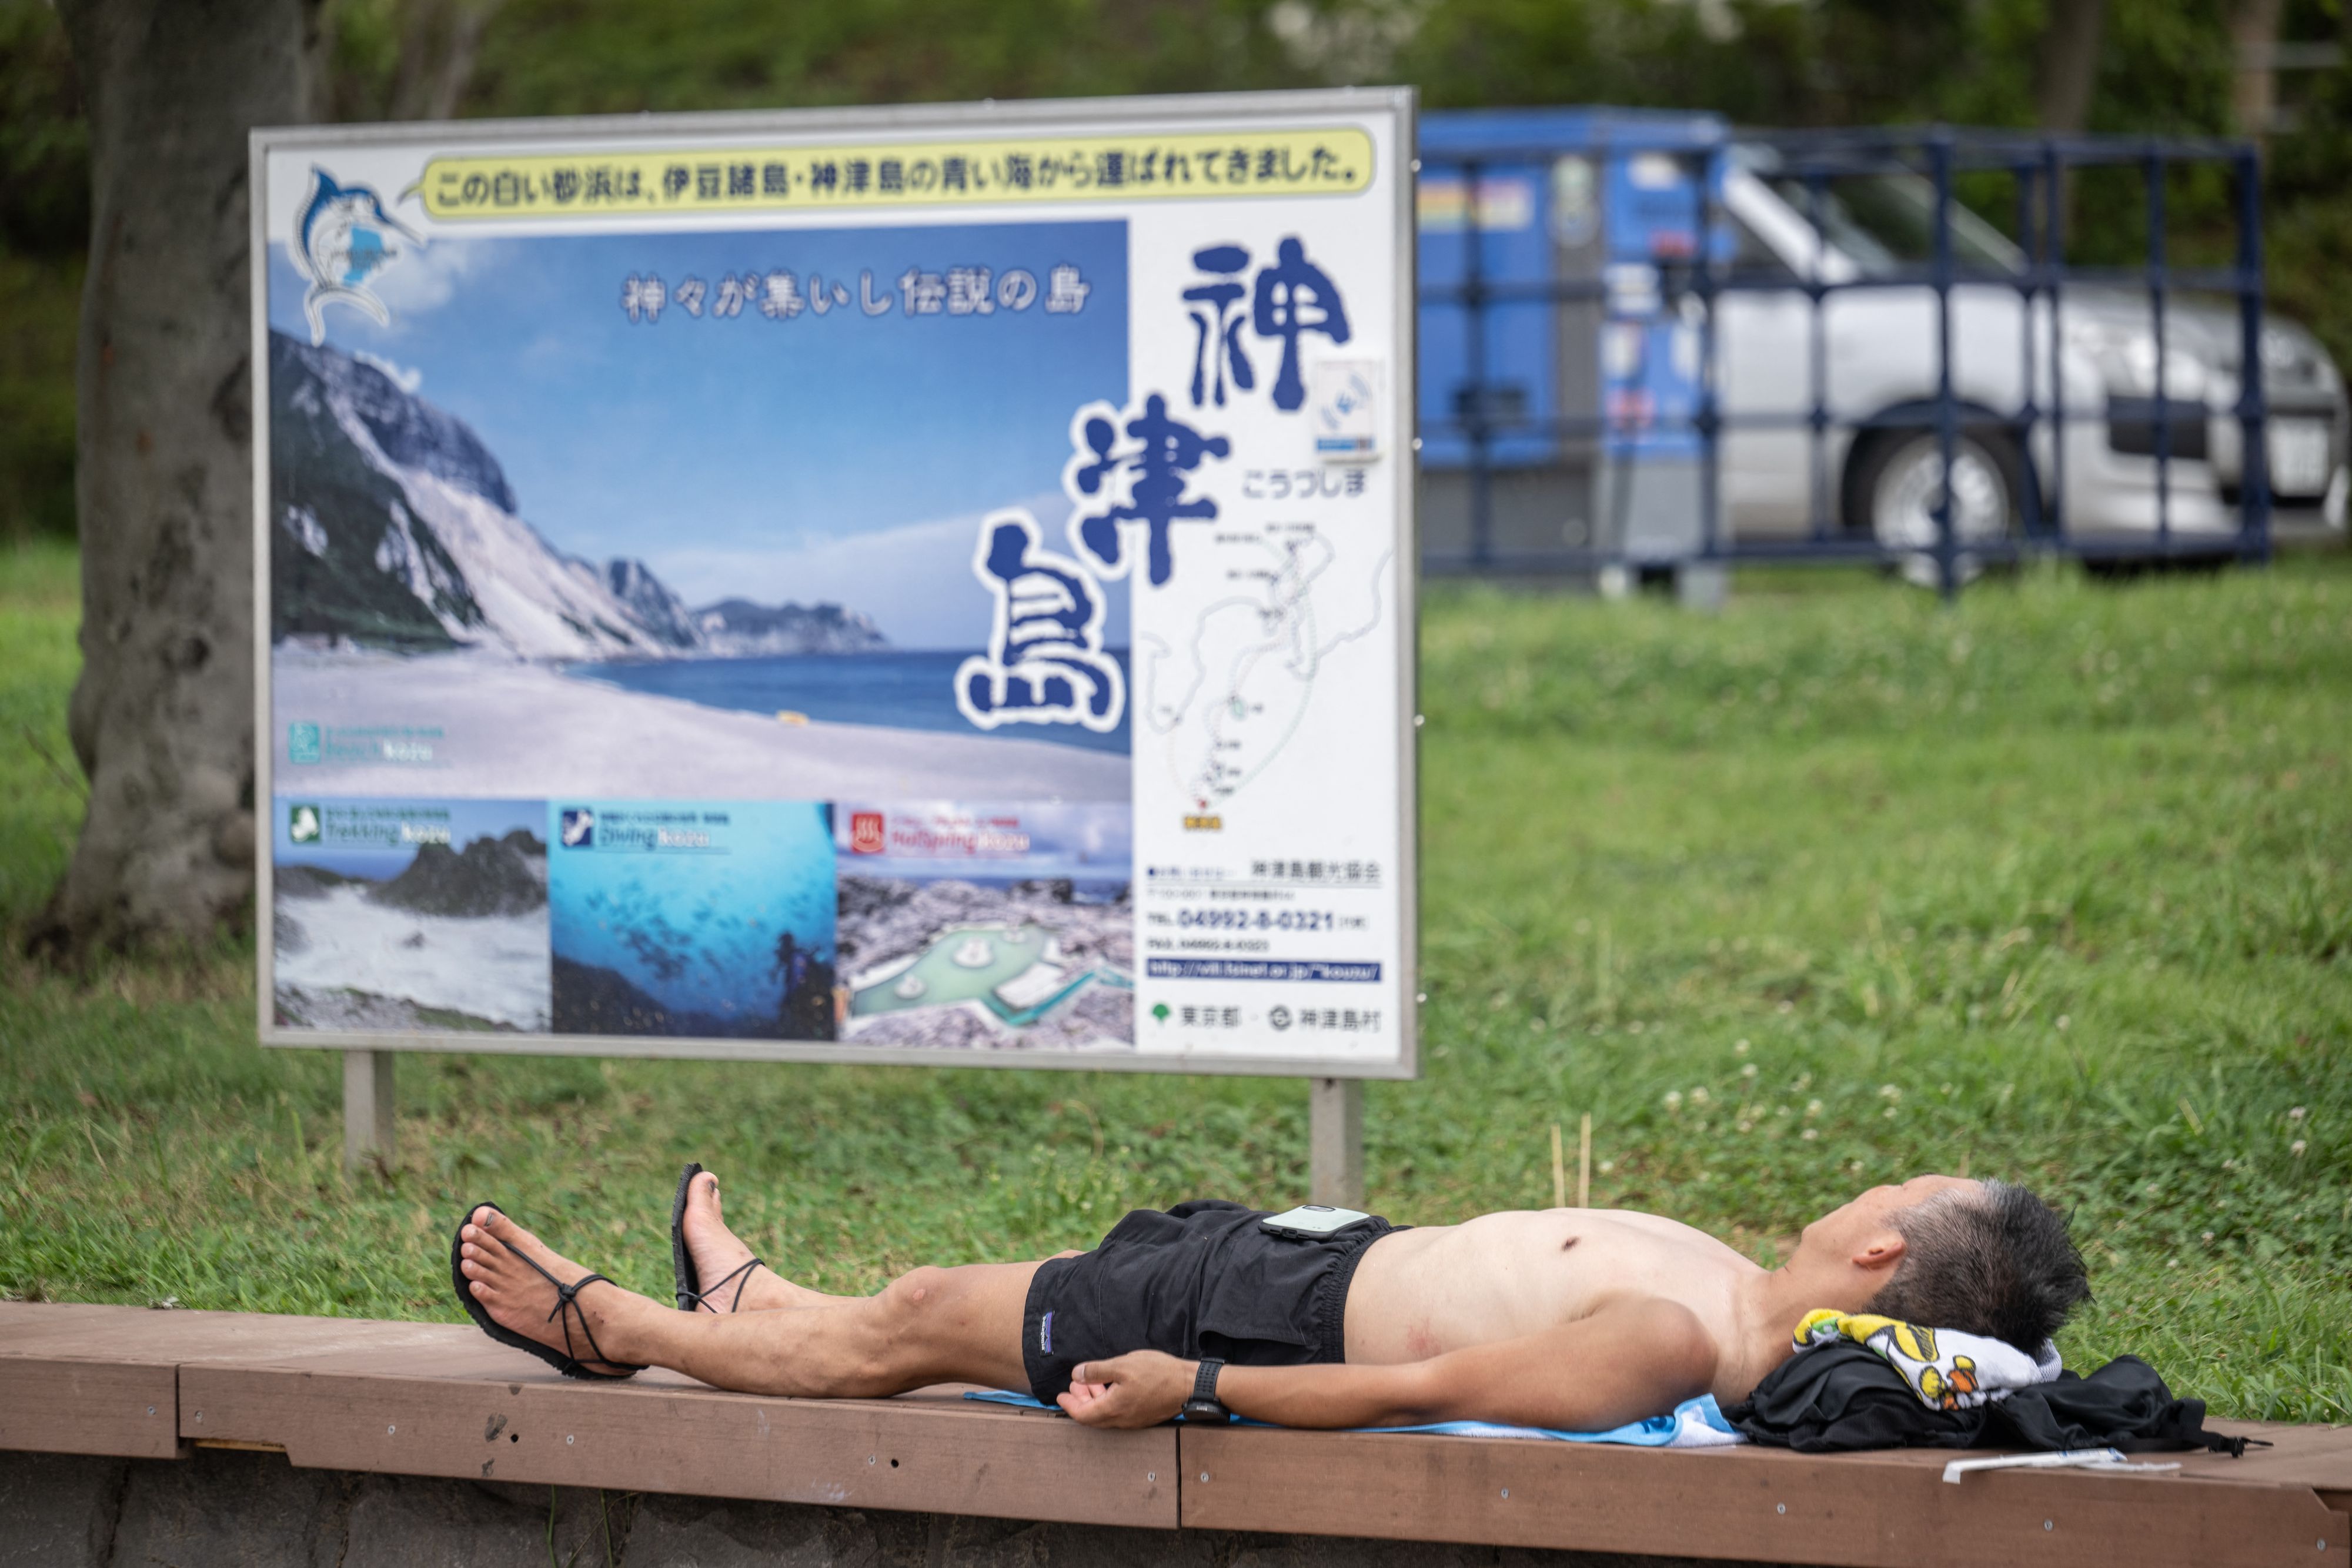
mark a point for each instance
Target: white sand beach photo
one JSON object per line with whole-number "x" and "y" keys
{"x": 545, "y": 534}
{"x": 467, "y": 724}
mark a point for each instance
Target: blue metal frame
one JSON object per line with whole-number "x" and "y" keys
{"x": 1484, "y": 435}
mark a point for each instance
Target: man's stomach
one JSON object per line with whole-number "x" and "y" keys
{"x": 1434, "y": 1289}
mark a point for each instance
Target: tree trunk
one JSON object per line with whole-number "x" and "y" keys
{"x": 2066, "y": 72}
{"x": 162, "y": 716}
{"x": 439, "y": 41}
{"x": 2253, "y": 88}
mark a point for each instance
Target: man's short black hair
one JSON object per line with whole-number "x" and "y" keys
{"x": 1997, "y": 1262}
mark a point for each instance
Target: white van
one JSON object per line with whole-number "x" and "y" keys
{"x": 1561, "y": 342}
{"x": 1879, "y": 360}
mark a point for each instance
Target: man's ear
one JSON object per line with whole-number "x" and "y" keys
{"x": 1880, "y": 1252}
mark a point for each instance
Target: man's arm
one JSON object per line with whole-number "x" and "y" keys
{"x": 1634, "y": 1358}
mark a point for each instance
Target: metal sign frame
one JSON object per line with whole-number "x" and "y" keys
{"x": 782, "y": 128}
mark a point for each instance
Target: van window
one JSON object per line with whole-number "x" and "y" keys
{"x": 1887, "y": 222}
{"x": 1753, "y": 260}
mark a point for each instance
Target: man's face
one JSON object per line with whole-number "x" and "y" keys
{"x": 1849, "y": 1229}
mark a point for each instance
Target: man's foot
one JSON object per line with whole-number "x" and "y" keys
{"x": 521, "y": 1299}
{"x": 719, "y": 1252}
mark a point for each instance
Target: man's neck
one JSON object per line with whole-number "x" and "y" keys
{"x": 1768, "y": 1307}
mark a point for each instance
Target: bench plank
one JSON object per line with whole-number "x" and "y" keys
{"x": 439, "y": 1399}
{"x": 497, "y": 1415}
{"x": 168, "y": 1338}
{"x": 81, "y": 1379}
{"x": 1851, "y": 1511}
{"x": 61, "y": 1404}
{"x": 104, "y": 1379}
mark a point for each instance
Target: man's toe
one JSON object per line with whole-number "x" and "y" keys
{"x": 509, "y": 1234}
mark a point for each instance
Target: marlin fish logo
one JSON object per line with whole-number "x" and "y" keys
{"x": 344, "y": 237}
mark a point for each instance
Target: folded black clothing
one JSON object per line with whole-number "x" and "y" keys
{"x": 1840, "y": 1396}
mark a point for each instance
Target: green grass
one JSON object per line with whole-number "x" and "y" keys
{"x": 1829, "y": 889}
{"x": 41, "y": 783}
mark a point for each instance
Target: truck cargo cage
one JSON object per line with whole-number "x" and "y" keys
{"x": 1649, "y": 342}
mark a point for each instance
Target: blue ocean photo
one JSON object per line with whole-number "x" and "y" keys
{"x": 703, "y": 919}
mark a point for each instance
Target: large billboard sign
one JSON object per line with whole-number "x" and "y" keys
{"x": 926, "y": 586}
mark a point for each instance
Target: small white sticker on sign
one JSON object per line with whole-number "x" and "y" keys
{"x": 1345, "y": 407}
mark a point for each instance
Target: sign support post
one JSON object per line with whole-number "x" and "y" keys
{"x": 368, "y": 1106}
{"x": 1335, "y": 1141}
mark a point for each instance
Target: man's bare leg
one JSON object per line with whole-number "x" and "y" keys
{"x": 718, "y": 1251}
{"x": 930, "y": 1325}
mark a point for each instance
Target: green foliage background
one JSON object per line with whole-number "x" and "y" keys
{"x": 2165, "y": 68}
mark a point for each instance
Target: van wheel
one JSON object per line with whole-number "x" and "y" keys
{"x": 1893, "y": 486}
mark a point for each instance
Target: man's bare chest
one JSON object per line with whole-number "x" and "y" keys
{"x": 1423, "y": 1293}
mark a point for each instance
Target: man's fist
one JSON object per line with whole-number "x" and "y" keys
{"x": 1139, "y": 1389}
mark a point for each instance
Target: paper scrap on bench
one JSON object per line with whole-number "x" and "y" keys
{"x": 2064, "y": 1458}
{"x": 1692, "y": 1424}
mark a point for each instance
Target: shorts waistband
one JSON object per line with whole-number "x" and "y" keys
{"x": 1331, "y": 1309}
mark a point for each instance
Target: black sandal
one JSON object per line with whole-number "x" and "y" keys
{"x": 688, "y": 1278}
{"x": 567, "y": 1307}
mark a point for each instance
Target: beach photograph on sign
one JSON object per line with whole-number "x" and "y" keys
{"x": 656, "y": 513}
{"x": 949, "y": 592}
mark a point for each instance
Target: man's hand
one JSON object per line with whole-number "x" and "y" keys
{"x": 1139, "y": 1389}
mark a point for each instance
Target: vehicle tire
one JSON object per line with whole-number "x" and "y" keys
{"x": 1893, "y": 483}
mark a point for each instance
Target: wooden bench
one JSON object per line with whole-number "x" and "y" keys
{"x": 430, "y": 1399}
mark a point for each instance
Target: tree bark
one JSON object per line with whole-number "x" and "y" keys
{"x": 2066, "y": 73}
{"x": 2253, "y": 88}
{"x": 161, "y": 718}
{"x": 439, "y": 41}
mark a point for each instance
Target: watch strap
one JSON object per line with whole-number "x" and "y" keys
{"x": 1205, "y": 1406}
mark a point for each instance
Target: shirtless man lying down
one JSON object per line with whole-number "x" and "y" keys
{"x": 1576, "y": 1318}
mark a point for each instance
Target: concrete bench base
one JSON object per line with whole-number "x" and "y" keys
{"x": 224, "y": 1508}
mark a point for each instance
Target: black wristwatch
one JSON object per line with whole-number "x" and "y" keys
{"x": 1203, "y": 1405}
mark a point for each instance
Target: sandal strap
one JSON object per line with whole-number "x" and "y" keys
{"x": 564, "y": 1293}
{"x": 567, "y": 1296}
{"x": 741, "y": 1274}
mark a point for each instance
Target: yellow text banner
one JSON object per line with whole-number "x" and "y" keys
{"x": 693, "y": 181}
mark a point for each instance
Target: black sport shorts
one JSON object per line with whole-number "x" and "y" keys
{"x": 1201, "y": 1280}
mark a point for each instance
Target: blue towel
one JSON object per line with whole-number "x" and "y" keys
{"x": 1692, "y": 1424}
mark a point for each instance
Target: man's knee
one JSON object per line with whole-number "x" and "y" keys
{"x": 917, "y": 1295}
{"x": 913, "y": 1320}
